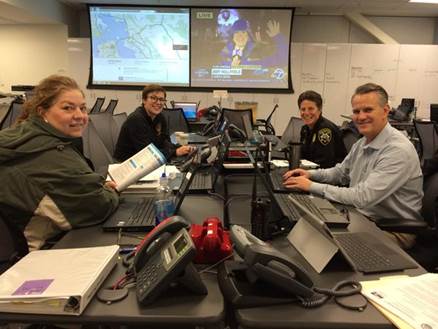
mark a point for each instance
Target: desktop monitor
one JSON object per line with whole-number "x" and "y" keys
{"x": 189, "y": 109}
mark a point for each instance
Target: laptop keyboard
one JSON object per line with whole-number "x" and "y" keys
{"x": 276, "y": 177}
{"x": 201, "y": 181}
{"x": 364, "y": 255}
{"x": 306, "y": 201}
{"x": 142, "y": 213}
{"x": 287, "y": 207}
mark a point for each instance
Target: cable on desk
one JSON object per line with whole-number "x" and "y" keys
{"x": 207, "y": 269}
{"x": 236, "y": 196}
{"x": 217, "y": 195}
{"x": 323, "y": 295}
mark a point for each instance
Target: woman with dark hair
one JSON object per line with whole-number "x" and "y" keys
{"x": 321, "y": 138}
{"x": 147, "y": 125}
{"x": 47, "y": 185}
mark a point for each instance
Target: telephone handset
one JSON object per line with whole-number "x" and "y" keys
{"x": 269, "y": 265}
{"x": 165, "y": 257}
{"x": 156, "y": 238}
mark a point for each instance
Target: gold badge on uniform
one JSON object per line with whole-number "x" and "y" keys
{"x": 325, "y": 136}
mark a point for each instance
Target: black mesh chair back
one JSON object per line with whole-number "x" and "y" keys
{"x": 13, "y": 244}
{"x": 349, "y": 137}
{"x": 434, "y": 113}
{"x": 95, "y": 149}
{"x": 176, "y": 121}
{"x": 234, "y": 116}
{"x": 430, "y": 201}
{"x": 111, "y": 106}
{"x": 104, "y": 122}
{"x": 428, "y": 136}
{"x": 97, "y": 105}
{"x": 12, "y": 114}
{"x": 118, "y": 120}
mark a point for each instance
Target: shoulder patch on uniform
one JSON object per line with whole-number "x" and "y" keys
{"x": 325, "y": 136}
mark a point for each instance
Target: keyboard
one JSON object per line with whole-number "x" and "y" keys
{"x": 143, "y": 213}
{"x": 276, "y": 178}
{"x": 287, "y": 207}
{"x": 202, "y": 181}
{"x": 307, "y": 202}
{"x": 370, "y": 256}
{"x": 320, "y": 208}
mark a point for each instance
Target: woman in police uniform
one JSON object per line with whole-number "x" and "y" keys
{"x": 321, "y": 138}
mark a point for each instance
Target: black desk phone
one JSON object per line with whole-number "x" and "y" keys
{"x": 165, "y": 257}
{"x": 267, "y": 276}
{"x": 263, "y": 262}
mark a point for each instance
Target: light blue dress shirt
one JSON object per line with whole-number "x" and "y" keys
{"x": 384, "y": 177}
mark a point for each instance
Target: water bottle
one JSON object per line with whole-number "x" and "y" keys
{"x": 164, "y": 206}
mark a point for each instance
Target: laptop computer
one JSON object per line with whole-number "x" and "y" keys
{"x": 319, "y": 207}
{"x": 137, "y": 213}
{"x": 363, "y": 251}
{"x": 190, "y": 109}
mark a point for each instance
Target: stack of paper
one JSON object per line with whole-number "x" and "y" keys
{"x": 150, "y": 182}
{"x": 408, "y": 302}
{"x": 56, "y": 281}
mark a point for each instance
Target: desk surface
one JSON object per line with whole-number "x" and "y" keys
{"x": 176, "y": 308}
{"x": 329, "y": 315}
{"x": 180, "y": 309}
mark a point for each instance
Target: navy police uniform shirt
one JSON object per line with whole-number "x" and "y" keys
{"x": 323, "y": 144}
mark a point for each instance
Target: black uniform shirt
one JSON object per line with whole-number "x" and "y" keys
{"x": 138, "y": 131}
{"x": 323, "y": 144}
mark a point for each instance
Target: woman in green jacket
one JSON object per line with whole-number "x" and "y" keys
{"x": 47, "y": 185}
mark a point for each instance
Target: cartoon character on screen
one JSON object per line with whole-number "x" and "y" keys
{"x": 245, "y": 48}
{"x": 225, "y": 21}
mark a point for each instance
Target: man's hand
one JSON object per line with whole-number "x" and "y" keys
{"x": 296, "y": 172}
{"x": 183, "y": 150}
{"x": 273, "y": 28}
{"x": 298, "y": 182}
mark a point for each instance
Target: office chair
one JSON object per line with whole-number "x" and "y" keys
{"x": 349, "y": 137}
{"x": 292, "y": 134}
{"x": 434, "y": 113}
{"x": 403, "y": 112}
{"x": 424, "y": 251}
{"x": 13, "y": 113}
{"x": 97, "y": 105}
{"x": 95, "y": 149}
{"x": 13, "y": 244}
{"x": 428, "y": 136}
{"x": 235, "y": 116}
{"x": 111, "y": 106}
{"x": 176, "y": 121}
{"x": 118, "y": 120}
{"x": 104, "y": 122}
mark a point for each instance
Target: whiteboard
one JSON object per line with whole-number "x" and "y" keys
{"x": 334, "y": 70}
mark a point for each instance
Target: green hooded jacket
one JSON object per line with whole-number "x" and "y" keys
{"x": 47, "y": 185}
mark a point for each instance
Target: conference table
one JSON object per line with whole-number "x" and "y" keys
{"x": 231, "y": 202}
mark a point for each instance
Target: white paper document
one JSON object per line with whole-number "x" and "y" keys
{"x": 56, "y": 281}
{"x": 412, "y": 299}
{"x": 130, "y": 171}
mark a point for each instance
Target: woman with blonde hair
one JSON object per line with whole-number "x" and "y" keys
{"x": 47, "y": 184}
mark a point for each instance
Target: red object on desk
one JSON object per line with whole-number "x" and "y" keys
{"x": 211, "y": 240}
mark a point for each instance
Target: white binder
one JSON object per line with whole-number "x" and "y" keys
{"x": 56, "y": 281}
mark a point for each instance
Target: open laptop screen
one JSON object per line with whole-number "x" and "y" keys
{"x": 189, "y": 109}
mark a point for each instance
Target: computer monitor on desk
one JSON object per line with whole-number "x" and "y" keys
{"x": 189, "y": 108}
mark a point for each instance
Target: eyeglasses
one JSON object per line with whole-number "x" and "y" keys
{"x": 157, "y": 99}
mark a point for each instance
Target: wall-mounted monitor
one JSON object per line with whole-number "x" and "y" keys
{"x": 246, "y": 48}
{"x": 238, "y": 49}
{"x": 134, "y": 46}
